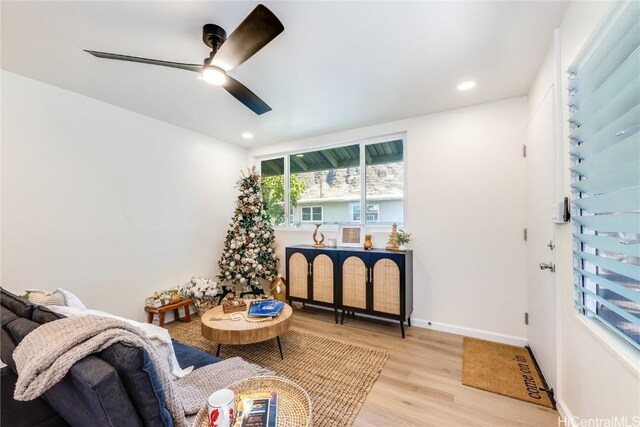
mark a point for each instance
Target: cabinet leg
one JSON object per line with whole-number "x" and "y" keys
{"x": 335, "y": 313}
{"x": 161, "y": 318}
{"x": 402, "y": 328}
{"x": 409, "y": 321}
{"x": 187, "y": 313}
{"x": 218, "y": 350}
{"x": 353, "y": 314}
{"x": 342, "y": 318}
{"x": 149, "y": 317}
{"x": 280, "y": 348}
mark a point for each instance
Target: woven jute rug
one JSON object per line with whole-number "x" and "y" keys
{"x": 503, "y": 369}
{"x": 338, "y": 376}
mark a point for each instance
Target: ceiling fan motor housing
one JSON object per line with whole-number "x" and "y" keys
{"x": 213, "y": 36}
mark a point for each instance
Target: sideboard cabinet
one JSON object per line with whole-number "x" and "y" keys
{"x": 376, "y": 282}
{"x": 311, "y": 276}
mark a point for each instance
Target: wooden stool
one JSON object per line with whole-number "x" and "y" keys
{"x": 176, "y": 311}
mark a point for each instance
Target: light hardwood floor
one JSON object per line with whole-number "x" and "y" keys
{"x": 420, "y": 385}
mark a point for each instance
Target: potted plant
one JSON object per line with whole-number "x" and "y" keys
{"x": 403, "y": 237}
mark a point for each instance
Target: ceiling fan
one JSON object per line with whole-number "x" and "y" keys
{"x": 255, "y": 32}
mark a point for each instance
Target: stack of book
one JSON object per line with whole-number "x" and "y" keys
{"x": 265, "y": 308}
{"x": 257, "y": 410}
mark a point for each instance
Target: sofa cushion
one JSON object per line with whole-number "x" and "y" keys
{"x": 92, "y": 394}
{"x": 35, "y": 413}
{"x": 189, "y": 356}
{"x": 20, "y": 328}
{"x": 7, "y": 345}
{"x": 7, "y": 316}
{"x": 43, "y": 315}
{"x": 135, "y": 368}
{"x": 21, "y": 307}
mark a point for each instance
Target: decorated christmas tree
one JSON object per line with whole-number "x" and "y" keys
{"x": 249, "y": 251}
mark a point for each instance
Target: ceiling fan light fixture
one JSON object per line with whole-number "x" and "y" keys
{"x": 214, "y": 76}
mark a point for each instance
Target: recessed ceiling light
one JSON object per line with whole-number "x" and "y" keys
{"x": 299, "y": 155}
{"x": 247, "y": 135}
{"x": 467, "y": 85}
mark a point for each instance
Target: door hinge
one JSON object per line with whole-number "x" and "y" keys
{"x": 526, "y": 318}
{"x": 525, "y": 234}
{"x": 524, "y": 150}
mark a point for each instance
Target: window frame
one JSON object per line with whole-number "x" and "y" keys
{"x": 362, "y": 143}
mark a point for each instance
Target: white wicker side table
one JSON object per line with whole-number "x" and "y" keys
{"x": 294, "y": 404}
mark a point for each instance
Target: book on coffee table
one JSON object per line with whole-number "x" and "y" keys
{"x": 265, "y": 308}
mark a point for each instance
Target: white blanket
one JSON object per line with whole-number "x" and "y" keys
{"x": 158, "y": 336}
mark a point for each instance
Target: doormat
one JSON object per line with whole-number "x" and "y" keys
{"x": 503, "y": 369}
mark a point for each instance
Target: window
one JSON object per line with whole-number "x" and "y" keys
{"x": 331, "y": 185}
{"x": 311, "y": 213}
{"x": 604, "y": 92}
{"x": 373, "y": 212}
{"x": 273, "y": 189}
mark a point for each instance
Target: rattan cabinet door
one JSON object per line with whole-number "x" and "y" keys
{"x": 354, "y": 283}
{"x": 298, "y": 275}
{"x": 322, "y": 277}
{"x": 386, "y": 286}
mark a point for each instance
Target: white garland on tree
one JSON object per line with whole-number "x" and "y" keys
{"x": 249, "y": 248}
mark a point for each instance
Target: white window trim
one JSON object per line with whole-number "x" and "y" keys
{"x": 362, "y": 143}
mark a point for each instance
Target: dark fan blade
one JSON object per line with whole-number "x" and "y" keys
{"x": 190, "y": 67}
{"x": 244, "y": 95}
{"x": 257, "y": 29}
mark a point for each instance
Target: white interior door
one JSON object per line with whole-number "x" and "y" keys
{"x": 541, "y": 296}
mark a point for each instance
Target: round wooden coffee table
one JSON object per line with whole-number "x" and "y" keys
{"x": 243, "y": 331}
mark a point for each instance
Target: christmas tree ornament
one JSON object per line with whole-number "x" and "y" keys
{"x": 248, "y": 253}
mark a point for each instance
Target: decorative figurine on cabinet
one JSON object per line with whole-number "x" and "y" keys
{"x": 368, "y": 243}
{"x": 393, "y": 244}
{"x": 318, "y": 243}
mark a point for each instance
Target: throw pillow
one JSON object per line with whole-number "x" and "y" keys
{"x": 72, "y": 299}
{"x": 41, "y": 297}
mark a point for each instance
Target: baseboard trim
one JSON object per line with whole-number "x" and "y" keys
{"x": 470, "y": 332}
{"x": 452, "y": 329}
{"x": 566, "y": 418}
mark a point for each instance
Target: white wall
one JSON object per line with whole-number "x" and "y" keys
{"x": 598, "y": 374}
{"x": 107, "y": 203}
{"x": 465, "y": 211}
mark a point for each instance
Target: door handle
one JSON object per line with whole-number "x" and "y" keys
{"x": 548, "y": 266}
{"x": 371, "y": 275}
{"x": 310, "y": 269}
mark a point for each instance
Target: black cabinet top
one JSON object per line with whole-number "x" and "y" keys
{"x": 351, "y": 249}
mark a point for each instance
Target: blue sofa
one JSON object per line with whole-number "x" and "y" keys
{"x": 117, "y": 387}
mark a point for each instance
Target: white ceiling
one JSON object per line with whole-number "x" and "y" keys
{"x": 336, "y": 66}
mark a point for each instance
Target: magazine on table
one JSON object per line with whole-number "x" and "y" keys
{"x": 265, "y": 308}
{"x": 257, "y": 410}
